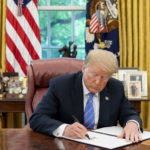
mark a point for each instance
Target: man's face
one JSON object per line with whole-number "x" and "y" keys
{"x": 95, "y": 79}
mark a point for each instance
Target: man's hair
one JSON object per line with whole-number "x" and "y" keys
{"x": 104, "y": 59}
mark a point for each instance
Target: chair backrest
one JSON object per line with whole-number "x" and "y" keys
{"x": 40, "y": 72}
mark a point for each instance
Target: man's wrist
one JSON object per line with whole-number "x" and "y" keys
{"x": 135, "y": 123}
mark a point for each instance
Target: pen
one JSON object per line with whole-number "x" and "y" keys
{"x": 76, "y": 120}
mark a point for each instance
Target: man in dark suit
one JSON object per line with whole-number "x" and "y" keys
{"x": 67, "y": 100}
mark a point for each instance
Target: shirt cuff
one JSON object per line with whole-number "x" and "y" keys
{"x": 59, "y": 131}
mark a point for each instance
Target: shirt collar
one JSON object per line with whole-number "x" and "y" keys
{"x": 85, "y": 90}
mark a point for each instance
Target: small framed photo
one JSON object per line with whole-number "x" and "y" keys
{"x": 138, "y": 76}
{"x": 134, "y": 89}
{"x": 123, "y": 71}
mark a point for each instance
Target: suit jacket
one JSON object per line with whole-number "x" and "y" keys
{"x": 64, "y": 98}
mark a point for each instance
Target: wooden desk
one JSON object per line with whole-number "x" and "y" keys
{"x": 12, "y": 104}
{"x": 25, "y": 139}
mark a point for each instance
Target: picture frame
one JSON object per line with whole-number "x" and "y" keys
{"x": 134, "y": 89}
{"x": 138, "y": 76}
{"x": 123, "y": 71}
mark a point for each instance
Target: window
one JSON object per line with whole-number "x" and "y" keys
{"x": 61, "y": 21}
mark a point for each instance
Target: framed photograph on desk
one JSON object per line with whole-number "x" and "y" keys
{"x": 134, "y": 89}
{"x": 138, "y": 76}
{"x": 123, "y": 71}
{"x": 122, "y": 76}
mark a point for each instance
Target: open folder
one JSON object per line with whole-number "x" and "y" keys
{"x": 107, "y": 137}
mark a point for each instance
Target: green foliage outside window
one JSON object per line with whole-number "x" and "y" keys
{"x": 59, "y": 27}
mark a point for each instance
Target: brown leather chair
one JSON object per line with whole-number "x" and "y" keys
{"x": 39, "y": 74}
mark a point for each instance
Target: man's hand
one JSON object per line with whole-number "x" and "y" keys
{"x": 131, "y": 132}
{"x": 75, "y": 130}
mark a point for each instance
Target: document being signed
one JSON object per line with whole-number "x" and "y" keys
{"x": 107, "y": 137}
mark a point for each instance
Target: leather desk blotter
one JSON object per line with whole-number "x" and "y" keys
{"x": 145, "y": 145}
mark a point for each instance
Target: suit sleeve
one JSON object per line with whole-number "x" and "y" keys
{"x": 44, "y": 118}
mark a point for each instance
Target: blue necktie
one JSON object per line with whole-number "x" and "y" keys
{"x": 89, "y": 115}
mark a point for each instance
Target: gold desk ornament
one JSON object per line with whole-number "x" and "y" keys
{"x": 16, "y": 87}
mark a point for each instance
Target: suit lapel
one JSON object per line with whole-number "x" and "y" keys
{"x": 77, "y": 99}
{"x": 104, "y": 110}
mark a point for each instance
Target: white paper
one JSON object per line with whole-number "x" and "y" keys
{"x": 107, "y": 141}
{"x": 102, "y": 140}
{"x": 114, "y": 130}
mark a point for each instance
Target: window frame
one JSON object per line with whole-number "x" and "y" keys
{"x": 60, "y": 8}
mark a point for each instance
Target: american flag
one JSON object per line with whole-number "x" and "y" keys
{"x": 95, "y": 24}
{"x": 22, "y": 35}
{"x": 101, "y": 29}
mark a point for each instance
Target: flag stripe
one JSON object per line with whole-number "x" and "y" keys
{"x": 21, "y": 34}
{"x": 32, "y": 22}
{"x": 33, "y": 11}
{"x": 12, "y": 33}
{"x": 13, "y": 62}
{"x": 18, "y": 56}
{"x": 95, "y": 25}
{"x": 35, "y": 2}
{"x": 9, "y": 66}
